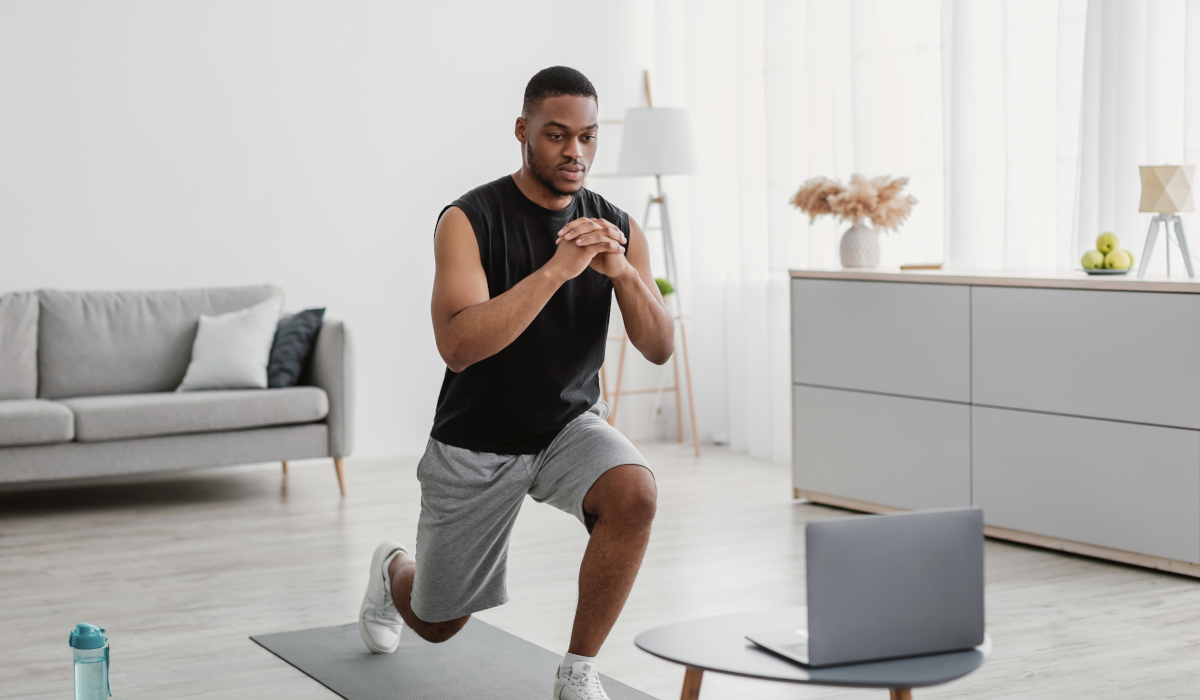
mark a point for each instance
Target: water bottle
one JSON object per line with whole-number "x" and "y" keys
{"x": 90, "y": 647}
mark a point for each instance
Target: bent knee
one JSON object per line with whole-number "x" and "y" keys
{"x": 634, "y": 502}
{"x": 438, "y": 632}
{"x": 437, "y": 635}
{"x": 640, "y": 505}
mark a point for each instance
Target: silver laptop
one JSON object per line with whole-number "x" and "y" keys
{"x": 888, "y": 586}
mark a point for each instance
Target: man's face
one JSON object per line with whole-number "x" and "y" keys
{"x": 560, "y": 142}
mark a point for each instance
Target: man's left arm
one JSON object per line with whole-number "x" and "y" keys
{"x": 647, "y": 321}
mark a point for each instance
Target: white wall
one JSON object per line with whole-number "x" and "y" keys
{"x": 309, "y": 144}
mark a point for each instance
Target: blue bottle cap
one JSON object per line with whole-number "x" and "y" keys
{"x": 86, "y": 636}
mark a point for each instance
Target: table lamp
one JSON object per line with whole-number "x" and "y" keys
{"x": 1166, "y": 191}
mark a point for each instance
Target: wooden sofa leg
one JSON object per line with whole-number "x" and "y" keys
{"x": 285, "y": 466}
{"x": 341, "y": 474}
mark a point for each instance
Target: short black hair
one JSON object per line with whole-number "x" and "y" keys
{"x": 555, "y": 82}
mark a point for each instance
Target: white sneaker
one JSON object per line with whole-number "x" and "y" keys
{"x": 582, "y": 684}
{"x": 379, "y": 622}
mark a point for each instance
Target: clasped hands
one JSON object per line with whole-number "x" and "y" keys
{"x": 593, "y": 243}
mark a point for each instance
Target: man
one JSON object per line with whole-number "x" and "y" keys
{"x": 526, "y": 270}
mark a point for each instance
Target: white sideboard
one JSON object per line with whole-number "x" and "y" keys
{"x": 1066, "y": 406}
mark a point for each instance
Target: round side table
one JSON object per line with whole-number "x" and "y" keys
{"x": 719, "y": 644}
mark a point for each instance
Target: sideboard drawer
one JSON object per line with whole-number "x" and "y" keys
{"x": 888, "y": 337}
{"x": 1131, "y": 356}
{"x": 1117, "y": 485}
{"x": 887, "y": 450}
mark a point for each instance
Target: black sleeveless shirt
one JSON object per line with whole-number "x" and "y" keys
{"x": 517, "y": 400}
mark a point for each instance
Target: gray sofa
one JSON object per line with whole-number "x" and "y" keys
{"x": 87, "y": 389}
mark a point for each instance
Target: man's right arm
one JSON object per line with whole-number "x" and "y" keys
{"x": 468, "y": 325}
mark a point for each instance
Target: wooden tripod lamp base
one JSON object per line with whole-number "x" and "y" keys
{"x": 614, "y": 397}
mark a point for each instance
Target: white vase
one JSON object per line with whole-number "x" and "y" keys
{"x": 860, "y": 246}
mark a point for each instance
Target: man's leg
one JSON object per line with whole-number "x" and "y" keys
{"x": 469, "y": 502}
{"x": 618, "y": 511}
{"x": 401, "y": 572}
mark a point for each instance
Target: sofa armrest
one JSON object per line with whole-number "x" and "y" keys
{"x": 333, "y": 371}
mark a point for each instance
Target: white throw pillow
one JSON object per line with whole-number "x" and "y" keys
{"x": 232, "y": 350}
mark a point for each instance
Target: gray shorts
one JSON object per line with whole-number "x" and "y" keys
{"x": 470, "y": 500}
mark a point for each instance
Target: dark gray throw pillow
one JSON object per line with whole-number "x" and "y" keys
{"x": 294, "y": 339}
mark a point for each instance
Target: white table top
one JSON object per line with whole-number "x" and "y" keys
{"x": 1051, "y": 279}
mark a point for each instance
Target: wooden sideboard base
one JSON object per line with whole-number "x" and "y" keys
{"x": 1088, "y": 550}
{"x": 847, "y": 503}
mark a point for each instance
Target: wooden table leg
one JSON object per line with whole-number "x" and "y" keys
{"x": 901, "y": 694}
{"x": 691, "y": 684}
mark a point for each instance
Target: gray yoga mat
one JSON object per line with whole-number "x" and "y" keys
{"x": 480, "y": 662}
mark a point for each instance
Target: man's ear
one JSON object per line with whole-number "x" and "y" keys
{"x": 521, "y": 129}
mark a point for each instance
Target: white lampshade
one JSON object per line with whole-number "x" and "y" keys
{"x": 657, "y": 141}
{"x": 1167, "y": 189}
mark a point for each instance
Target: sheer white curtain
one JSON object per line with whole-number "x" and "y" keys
{"x": 977, "y": 102}
{"x": 1141, "y": 106}
{"x": 1020, "y": 123}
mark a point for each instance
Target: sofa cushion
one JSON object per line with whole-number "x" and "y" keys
{"x": 295, "y": 337}
{"x": 34, "y": 422}
{"x": 100, "y": 418}
{"x": 18, "y": 345}
{"x": 96, "y": 343}
{"x": 232, "y": 350}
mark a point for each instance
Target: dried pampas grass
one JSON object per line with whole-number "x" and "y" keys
{"x": 879, "y": 199}
{"x": 858, "y": 201}
{"x": 813, "y": 197}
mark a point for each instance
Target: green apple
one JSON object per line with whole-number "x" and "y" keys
{"x": 1118, "y": 260}
{"x": 1107, "y": 243}
{"x": 1093, "y": 259}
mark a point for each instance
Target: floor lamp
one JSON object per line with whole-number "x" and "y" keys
{"x": 657, "y": 141}
{"x": 1166, "y": 191}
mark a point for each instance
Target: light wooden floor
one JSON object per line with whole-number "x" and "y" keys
{"x": 182, "y": 569}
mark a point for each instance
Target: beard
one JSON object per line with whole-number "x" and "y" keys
{"x": 545, "y": 175}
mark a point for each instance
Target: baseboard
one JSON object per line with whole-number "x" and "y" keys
{"x": 1001, "y": 533}
{"x": 847, "y": 503}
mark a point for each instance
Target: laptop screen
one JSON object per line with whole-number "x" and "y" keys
{"x": 882, "y": 586}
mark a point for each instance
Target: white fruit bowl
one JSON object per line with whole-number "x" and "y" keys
{"x": 1099, "y": 271}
